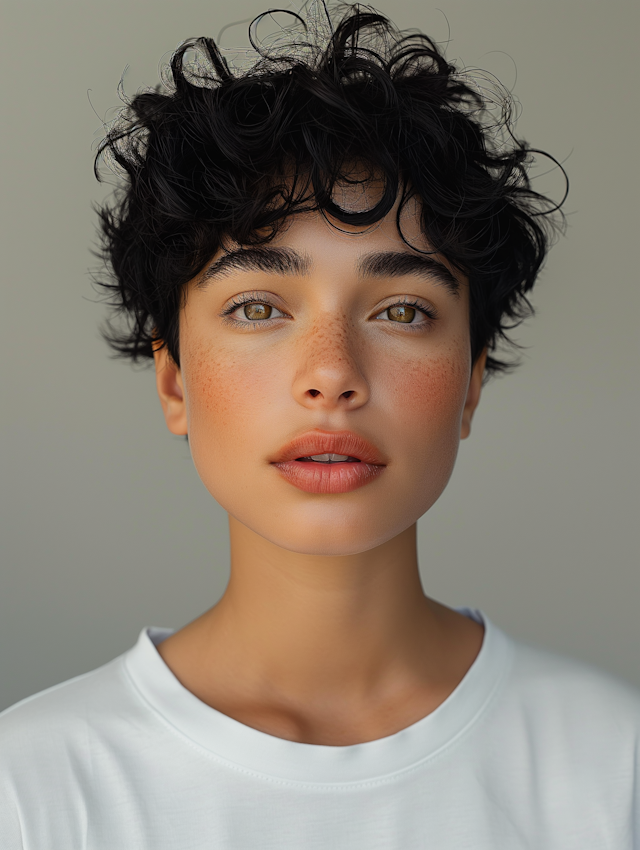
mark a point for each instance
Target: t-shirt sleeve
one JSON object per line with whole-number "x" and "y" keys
{"x": 10, "y": 831}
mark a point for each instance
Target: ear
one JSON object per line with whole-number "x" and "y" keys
{"x": 473, "y": 394}
{"x": 170, "y": 390}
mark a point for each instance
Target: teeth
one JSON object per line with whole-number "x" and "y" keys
{"x": 328, "y": 458}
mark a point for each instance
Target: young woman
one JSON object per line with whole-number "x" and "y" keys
{"x": 321, "y": 255}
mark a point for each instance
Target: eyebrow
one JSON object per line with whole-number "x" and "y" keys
{"x": 286, "y": 261}
{"x": 401, "y": 263}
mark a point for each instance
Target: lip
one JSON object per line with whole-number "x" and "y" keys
{"x": 340, "y": 477}
{"x": 330, "y": 442}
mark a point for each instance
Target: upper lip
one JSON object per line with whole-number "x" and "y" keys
{"x": 334, "y": 442}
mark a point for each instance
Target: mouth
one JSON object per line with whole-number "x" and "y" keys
{"x": 329, "y": 457}
{"x": 329, "y": 462}
{"x": 330, "y": 447}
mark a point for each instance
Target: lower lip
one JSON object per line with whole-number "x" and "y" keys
{"x": 315, "y": 477}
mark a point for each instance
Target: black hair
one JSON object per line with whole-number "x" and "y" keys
{"x": 217, "y": 153}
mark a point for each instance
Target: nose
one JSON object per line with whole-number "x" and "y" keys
{"x": 329, "y": 376}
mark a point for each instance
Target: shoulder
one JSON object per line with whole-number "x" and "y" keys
{"x": 571, "y": 711}
{"x": 544, "y": 678}
{"x": 50, "y": 744}
{"x": 60, "y": 720}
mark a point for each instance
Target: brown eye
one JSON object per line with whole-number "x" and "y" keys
{"x": 257, "y": 311}
{"x": 401, "y": 313}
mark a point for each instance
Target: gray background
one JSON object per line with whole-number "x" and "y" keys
{"x": 105, "y": 524}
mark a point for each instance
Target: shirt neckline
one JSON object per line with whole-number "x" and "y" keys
{"x": 249, "y": 749}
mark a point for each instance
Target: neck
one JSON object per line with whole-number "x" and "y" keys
{"x": 297, "y": 630}
{"x": 325, "y": 623}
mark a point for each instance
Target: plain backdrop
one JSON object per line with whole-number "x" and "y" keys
{"x": 106, "y": 526}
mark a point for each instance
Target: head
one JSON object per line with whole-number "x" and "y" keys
{"x": 330, "y": 241}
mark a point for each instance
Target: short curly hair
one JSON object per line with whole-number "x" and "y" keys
{"x": 216, "y": 153}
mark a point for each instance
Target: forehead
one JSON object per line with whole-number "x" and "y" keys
{"x": 307, "y": 242}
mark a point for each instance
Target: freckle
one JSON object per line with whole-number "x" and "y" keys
{"x": 434, "y": 387}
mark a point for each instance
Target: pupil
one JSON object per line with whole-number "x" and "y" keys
{"x": 257, "y": 311}
{"x": 402, "y": 313}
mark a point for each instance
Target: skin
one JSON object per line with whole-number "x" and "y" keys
{"x": 324, "y": 634}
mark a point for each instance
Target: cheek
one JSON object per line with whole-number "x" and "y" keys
{"x": 426, "y": 401}
{"x": 210, "y": 386}
{"x": 218, "y": 415}
{"x": 434, "y": 432}
{"x": 225, "y": 395}
{"x": 430, "y": 394}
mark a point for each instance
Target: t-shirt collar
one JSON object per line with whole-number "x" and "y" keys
{"x": 250, "y": 749}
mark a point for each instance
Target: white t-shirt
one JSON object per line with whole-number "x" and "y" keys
{"x": 529, "y": 751}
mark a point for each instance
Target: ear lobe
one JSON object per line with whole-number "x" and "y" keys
{"x": 170, "y": 391}
{"x": 473, "y": 394}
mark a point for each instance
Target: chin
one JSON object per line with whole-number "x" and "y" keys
{"x": 319, "y": 545}
{"x": 352, "y": 544}
{"x": 334, "y": 534}
{"x": 331, "y": 525}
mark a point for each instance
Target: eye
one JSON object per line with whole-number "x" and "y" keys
{"x": 408, "y": 313}
{"x": 402, "y": 313}
{"x": 255, "y": 311}
{"x": 246, "y": 311}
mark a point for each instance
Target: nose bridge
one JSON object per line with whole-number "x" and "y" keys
{"x": 330, "y": 342}
{"x": 330, "y": 364}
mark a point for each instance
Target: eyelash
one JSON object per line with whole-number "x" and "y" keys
{"x": 429, "y": 312}
{"x": 239, "y": 301}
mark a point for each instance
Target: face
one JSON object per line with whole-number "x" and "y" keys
{"x": 325, "y": 337}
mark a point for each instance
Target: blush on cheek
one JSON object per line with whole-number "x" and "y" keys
{"x": 429, "y": 399}
{"x": 212, "y": 384}
{"x": 214, "y": 410}
{"x": 227, "y": 397}
{"x": 431, "y": 391}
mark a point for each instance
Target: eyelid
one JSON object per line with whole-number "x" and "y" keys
{"x": 242, "y": 299}
{"x": 428, "y": 311}
{"x": 245, "y": 298}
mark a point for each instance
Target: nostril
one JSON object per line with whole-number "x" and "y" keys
{"x": 314, "y": 393}
{"x": 347, "y": 393}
